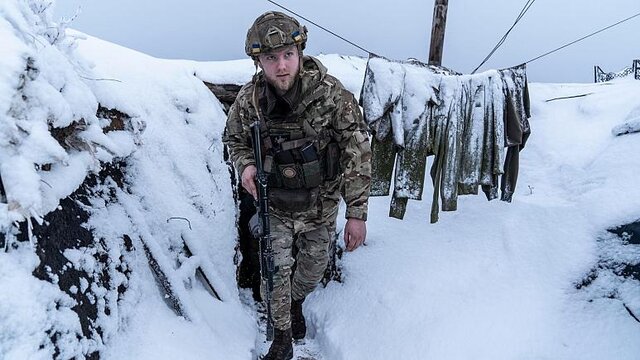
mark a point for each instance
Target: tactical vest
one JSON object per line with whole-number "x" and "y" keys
{"x": 295, "y": 163}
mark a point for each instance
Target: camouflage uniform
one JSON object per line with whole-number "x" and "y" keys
{"x": 327, "y": 109}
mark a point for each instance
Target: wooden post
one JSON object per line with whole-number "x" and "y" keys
{"x": 437, "y": 31}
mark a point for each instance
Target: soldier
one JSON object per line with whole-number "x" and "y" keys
{"x": 316, "y": 149}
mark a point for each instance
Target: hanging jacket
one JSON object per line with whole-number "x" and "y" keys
{"x": 465, "y": 121}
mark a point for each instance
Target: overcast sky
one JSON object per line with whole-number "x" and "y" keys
{"x": 397, "y": 29}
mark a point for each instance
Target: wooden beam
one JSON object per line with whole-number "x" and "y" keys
{"x": 437, "y": 31}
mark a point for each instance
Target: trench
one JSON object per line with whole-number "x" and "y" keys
{"x": 247, "y": 258}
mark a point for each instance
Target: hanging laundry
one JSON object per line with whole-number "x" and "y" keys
{"x": 415, "y": 110}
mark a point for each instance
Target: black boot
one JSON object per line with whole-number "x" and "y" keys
{"x": 281, "y": 347}
{"x": 298, "y": 324}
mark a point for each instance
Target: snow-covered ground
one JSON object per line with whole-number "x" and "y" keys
{"x": 490, "y": 281}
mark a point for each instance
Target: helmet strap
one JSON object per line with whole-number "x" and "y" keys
{"x": 300, "y": 55}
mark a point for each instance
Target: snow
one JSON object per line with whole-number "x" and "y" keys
{"x": 493, "y": 280}
{"x": 29, "y": 307}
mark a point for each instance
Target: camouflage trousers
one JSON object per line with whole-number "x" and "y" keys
{"x": 301, "y": 255}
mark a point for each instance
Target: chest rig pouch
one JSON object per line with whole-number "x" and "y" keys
{"x": 294, "y": 165}
{"x": 295, "y": 160}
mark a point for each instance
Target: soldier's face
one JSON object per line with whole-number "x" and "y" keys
{"x": 281, "y": 67}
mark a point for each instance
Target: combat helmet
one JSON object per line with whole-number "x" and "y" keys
{"x": 273, "y": 30}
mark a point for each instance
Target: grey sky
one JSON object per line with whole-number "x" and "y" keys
{"x": 397, "y": 29}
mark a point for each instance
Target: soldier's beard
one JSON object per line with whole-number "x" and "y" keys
{"x": 282, "y": 84}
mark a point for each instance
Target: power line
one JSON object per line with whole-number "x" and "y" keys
{"x": 582, "y": 38}
{"x": 321, "y": 27}
{"x": 524, "y": 10}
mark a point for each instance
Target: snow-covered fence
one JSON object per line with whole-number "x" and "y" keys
{"x": 602, "y": 76}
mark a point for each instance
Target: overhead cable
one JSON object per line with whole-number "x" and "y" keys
{"x": 583, "y": 38}
{"x": 321, "y": 27}
{"x": 524, "y": 10}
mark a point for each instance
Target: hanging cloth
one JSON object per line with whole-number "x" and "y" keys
{"x": 415, "y": 110}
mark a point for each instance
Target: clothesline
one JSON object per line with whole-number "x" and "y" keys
{"x": 527, "y": 6}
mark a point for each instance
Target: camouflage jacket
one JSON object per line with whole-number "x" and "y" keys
{"x": 333, "y": 113}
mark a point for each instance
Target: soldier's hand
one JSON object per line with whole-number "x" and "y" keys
{"x": 249, "y": 180}
{"x": 355, "y": 233}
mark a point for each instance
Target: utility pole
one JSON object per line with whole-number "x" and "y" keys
{"x": 437, "y": 31}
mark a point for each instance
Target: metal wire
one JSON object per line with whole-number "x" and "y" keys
{"x": 524, "y": 10}
{"x": 583, "y": 38}
{"x": 321, "y": 27}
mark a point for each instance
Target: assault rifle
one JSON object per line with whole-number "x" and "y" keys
{"x": 259, "y": 225}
